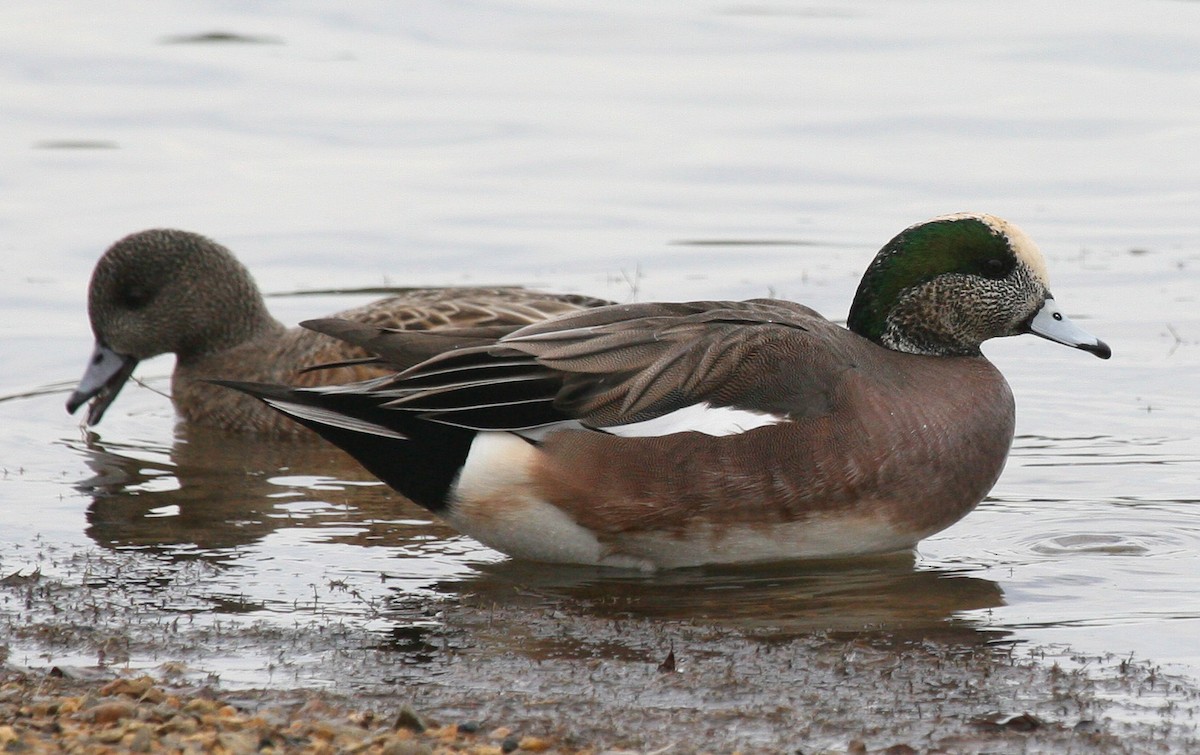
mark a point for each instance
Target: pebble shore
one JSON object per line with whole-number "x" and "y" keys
{"x": 55, "y": 713}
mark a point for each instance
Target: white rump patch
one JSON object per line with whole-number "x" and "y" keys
{"x": 700, "y": 418}
{"x": 333, "y": 419}
{"x": 494, "y": 501}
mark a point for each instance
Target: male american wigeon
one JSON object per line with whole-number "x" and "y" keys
{"x": 169, "y": 291}
{"x": 670, "y": 435}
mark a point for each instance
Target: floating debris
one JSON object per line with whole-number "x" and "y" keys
{"x": 75, "y": 144}
{"x": 221, "y": 37}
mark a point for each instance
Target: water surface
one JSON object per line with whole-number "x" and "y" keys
{"x": 696, "y": 150}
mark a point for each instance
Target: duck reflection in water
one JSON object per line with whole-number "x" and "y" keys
{"x": 212, "y": 495}
{"x": 211, "y": 492}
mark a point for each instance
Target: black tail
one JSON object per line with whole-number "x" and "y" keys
{"x": 422, "y": 469}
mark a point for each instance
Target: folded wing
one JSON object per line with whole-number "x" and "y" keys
{"x": 610, "y": 368}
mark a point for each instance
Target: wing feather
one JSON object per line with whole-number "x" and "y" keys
{"x": 612, "y": 366}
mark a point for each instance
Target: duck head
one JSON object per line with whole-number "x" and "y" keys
{"x": 163, "y": 291}
{"x": 945, "y": 286}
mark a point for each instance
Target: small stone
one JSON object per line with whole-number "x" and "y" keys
{"x": 510, "y": 744}
{"x": 141, "y": 741}
{"x": 407, "y": 718}
{"x": 315, "y": 707}
{"x": 181, "y": 724}
{"x": 447, "y": 733}
{"x": 159, "y": 713}
{"x": 204, "y": 741}
{"x": 110, "y": 736}
{"x": 238, "y": 742}
{"x": 153, "y": 695}
{"x": 323, "y": 730}
{"x": 347, "y": 733}
{"x": 200, "y": 705}
{"x": 40, "y": 709}
{"x": 173, "y": 669}
{"x": 668, "y": 665}
{"x": 406, "y": 747}
{"x": 225, "y": 723}
{"x": 109, "y": 713}
{"x": 1023, "y": 722}
{"x": 124, "y": 686}
{"x": 533, "y": 744}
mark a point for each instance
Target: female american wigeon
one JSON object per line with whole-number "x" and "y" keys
{"x": 168, "y": 291}
{"x": 670, "y": 435}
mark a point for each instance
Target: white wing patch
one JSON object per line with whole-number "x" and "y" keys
{"x": 333, "y": 419}
{"x": 700, "y": 418}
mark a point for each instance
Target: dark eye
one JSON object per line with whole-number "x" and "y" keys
{"x": 995, "y": 267}
{"x": 135, "y": 296}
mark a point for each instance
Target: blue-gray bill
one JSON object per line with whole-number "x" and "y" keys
{"x": 103, "y": 379}
{"x": 1050, "y": 323}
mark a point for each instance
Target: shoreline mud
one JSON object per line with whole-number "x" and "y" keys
{"x": 87, "y": 671}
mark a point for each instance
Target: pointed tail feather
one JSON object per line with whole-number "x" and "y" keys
{"x": 420, "y": 459}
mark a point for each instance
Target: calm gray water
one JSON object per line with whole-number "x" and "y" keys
{"x": 627, "y": 150}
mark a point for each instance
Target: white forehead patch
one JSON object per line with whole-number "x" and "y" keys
{"x": 1023, "y": 247}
